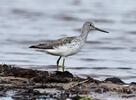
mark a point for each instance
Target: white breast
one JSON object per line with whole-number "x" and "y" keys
{"x": 67, "y": 49}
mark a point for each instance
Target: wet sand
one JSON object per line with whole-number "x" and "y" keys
{"x": 22, "y": 84}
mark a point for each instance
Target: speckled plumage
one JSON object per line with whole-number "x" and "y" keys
{"x": 53, "y": 44}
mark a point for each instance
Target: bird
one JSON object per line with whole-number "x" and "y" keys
{"x": 67, "y": 46}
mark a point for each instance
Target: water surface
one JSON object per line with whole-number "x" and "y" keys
{"x": 27, "y": 22}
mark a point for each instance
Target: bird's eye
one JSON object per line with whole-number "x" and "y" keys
{"x": 90, "y": 24}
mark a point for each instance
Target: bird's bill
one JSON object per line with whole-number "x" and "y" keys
{"x": 100, "y": 30}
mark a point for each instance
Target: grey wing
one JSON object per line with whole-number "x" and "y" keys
{"x": 54, "y": 43}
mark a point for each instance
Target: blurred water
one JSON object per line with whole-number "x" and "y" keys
{"x": 27, "y": 22}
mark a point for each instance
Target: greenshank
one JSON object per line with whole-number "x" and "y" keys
{"x": 67, "y": 46}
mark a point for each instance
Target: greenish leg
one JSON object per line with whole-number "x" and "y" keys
{"x": 63, "y": 65}
{"x": 58, "y": 63}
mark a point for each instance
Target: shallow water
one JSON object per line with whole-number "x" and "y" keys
{"x": 27, "y": 22}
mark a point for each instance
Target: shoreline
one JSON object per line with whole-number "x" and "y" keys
{"x": 24, "y": 83}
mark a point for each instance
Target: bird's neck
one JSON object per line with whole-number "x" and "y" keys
{"x": 84, "y": 34}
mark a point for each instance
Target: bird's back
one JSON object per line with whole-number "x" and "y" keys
{"x": 53, "y": 44}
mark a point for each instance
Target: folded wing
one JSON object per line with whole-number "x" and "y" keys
{"x": 54, "y": 43}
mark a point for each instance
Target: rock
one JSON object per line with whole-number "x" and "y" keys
{"x": 57, "y": 76}
{"x": 133, "y": 83}
{"x": 114, "y": 80}
{"x": 127, "y": 90}
{"x": 60, "y": 74}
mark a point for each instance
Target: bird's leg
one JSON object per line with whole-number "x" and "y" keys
{"x": 58, "y": 63}
{"x": 63, "y": 65}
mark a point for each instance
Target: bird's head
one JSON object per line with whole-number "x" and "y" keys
{"x": 88, "y": 26}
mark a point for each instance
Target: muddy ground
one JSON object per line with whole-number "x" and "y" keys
{"x": 28, "y": 84}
